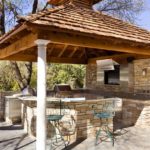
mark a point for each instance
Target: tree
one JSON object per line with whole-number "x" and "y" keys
{"x": 2, "y": 18}
{"x": 123, "y": 9}
{"x": 63, "y": 73}
{"x": 24, "y": 80}
{"x": 13, "y": 9}
{"x": 7, "y": 82}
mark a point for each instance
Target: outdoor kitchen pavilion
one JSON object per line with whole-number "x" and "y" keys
{"x": 70, "y": 33}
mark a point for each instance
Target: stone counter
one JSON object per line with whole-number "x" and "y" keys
{"x": 78, "y": 120}
{"x": 12, "y": 109}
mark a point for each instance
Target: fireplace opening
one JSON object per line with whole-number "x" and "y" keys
{"x": 112, "y": 77}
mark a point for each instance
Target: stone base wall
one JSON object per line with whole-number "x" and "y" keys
{"x": 78, "y": 120}
{"x": 133, "y": 113}
{"x": 142, "y": 76}
{"x": 2, "y": 106}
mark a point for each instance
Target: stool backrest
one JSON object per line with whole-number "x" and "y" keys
{"x": 109, "y": 107}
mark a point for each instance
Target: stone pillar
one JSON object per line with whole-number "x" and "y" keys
{"x": 91, "y": 76}
{"x": 131, "y": 77}
{"x": 41, "y": 95}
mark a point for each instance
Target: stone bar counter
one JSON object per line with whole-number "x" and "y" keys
{"x": 78, "y": 120}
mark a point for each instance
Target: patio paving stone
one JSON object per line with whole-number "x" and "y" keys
{"x": 132, "y": 138}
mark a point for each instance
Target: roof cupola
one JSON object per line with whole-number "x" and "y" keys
{"x": 80, "y": 3}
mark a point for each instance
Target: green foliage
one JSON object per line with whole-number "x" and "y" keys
{"x": 62, "y": 74}
{"x": 56, "y": 74}
{"x": 33, "y": 82}
{"x": 7, "y": 81}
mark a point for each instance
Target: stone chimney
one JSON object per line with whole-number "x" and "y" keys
{"x": 80, "y": 3}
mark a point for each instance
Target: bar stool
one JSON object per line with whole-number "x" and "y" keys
{"x": 54, "y": 119}
{"x": 107, "y": 112}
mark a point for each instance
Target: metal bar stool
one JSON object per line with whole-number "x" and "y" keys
{"x": 54, "y": 120}
{"x": 107, "y": 112}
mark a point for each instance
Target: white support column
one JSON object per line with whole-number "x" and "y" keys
{"x": 41, "y": 95}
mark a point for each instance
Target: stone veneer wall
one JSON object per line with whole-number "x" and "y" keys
{"x": 91, "y": 76}
{"x": 133, "y": 113}
{"x": 95, "y": 78}
{"x": 2, "y": 106}
{"x": 141, "y": 81}
{"x": 78, "y": 120}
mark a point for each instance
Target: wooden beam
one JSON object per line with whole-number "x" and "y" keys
{"x": 90, "y": 42}
{"x": 14, "y": 33}
{"x": 20, "y": 45}
{"x": 62, "y": 51}
{"x": 21, "y": 57}
{"x": 66, "y": 60}
{"x": 73, "y": 52}
{"x": 117, "y": 56}
{"x": 33, "y": 58}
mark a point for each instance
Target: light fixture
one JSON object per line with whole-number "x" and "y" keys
{"x": 144, "y": 71}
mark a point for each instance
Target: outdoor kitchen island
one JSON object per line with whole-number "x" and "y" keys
{"x": 78, "y": 120}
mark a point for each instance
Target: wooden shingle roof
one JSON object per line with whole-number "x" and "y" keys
{"x": 83, "y": 20}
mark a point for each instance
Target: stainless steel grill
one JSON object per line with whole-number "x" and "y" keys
{"x": 63, "y": 90}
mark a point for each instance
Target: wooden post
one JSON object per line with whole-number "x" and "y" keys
{"x": 41, "y": 95}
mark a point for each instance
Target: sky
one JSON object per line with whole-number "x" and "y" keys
{"x": 144, "y": 18}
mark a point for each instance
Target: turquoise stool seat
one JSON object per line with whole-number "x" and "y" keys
{"x": 54, "y": 117}
{"x": 104, "y": 115}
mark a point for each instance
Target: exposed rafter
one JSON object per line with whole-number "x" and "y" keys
{"x": 84, "y": 41}
{"x": 73, "y": 52}
{"x": 62, "y": 51}
{"x": 82, "y": 53}
{"x": 51, "y": 49}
